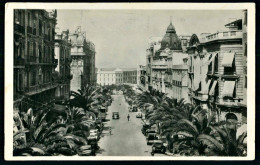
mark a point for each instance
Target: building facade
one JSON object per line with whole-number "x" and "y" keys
{"x": 109, "y": 76}
{"x": 167, "y": 65}
{"x": 34, "y": 62}
{"x": 141, "y": 72}
{"x": 216, "y": 73}
{"x": 62, "y": 71}
{"x": 83, "y": 60}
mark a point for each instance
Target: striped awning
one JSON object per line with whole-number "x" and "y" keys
{"x": 228, "y": 88}
{"x": 205, "y": 90}
{"x": 212, "y": 90}
{"x": 228, "y": 59}
{"x": 212, "y": 58}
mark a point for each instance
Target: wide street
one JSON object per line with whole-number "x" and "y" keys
{"x": 126, "y": 138}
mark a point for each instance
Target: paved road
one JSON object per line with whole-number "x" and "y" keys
{"x": 127, "y": 138}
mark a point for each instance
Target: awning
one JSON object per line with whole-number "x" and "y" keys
{"x": 228, "y": 88}
{"x": 205, "y": 90}
{"x": 228, "y": 59}
{"x": 212, "y": 90}
{"x": 211, "y": 59}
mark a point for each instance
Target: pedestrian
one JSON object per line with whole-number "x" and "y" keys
{"x": 128, "y": 117}
{"x": 110, "y": 131}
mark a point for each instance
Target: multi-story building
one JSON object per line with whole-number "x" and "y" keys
{"x": 83, "y": 60}
{"x": 62, "y": 71}
{"x": 106, "y": 76}
{"x": 154, "y": 44}
{"x": 168, "y": 62}
{"x": 109, "y": 76}
{"x": 216, "y": 72}
{"x": 129, "y": 75}
{"x": 141, "y": 72}
{"x": 34, "y": 62}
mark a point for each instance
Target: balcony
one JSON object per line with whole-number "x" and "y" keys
{"x": 224, "y": 35}
{"x": 32, "y": 59}
{"x": 55, "y": 61}
{"x": 159, "y": 64}
{"x": 200, "y": 96}
{"x": 46, "y": 37}
{"x": 230, "y": 102}
{"x": 19, "y": 61}
{"x": 39, "y": 88}
{"x": 230, "y": 75}
{"x": 29, "y": 29}
{"x": 34, "y": 31}
{"x": 19, "y": 28}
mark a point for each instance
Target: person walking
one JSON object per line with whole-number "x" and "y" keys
{"x": 110, "y": 131}
{"x": 128, "y": 117}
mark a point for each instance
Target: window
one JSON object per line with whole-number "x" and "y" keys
{"x": 33, "y": 78}
{"x": 28, "y": 48}
{"x": 34, "y": 49}
{"x": 230, "y": 70}
{"x": 245, "y": 81}
{"x": 216, "y": 64}
{"x": 232, "y": 33}
{"x": 29, "y": 19}
{"x": 225, "y": 34}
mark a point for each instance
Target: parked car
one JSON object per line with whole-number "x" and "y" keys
{"x": 115, "y": 115}
{"x": 92, "y": 136}
{"x": 145, "y": 128}
{"x": 139, "y": 115}
{"x": 152, "y": 129}
{"x": 158, "y": 146}
{"x": 94, "y": 132}
{"x": 86, "y": 150}
{"x": 134, "y": 109}
{"x": 150, "y": 138}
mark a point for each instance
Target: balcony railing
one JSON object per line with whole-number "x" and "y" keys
{"x": 224, "y": 35}
{"x": 39, "y": 88}
{"x": 229, "y": 102}
{"x": 32, "y": 59}
{"x": 29, "y": 29}
{"x": 19, "y": 28}
{"x": 34, "y": 31}
{"x": 19, "y": 61}
{"x": 46, "y": 37}
{"x": 200, "y": 96}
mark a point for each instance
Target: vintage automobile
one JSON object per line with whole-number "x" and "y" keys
{"x": 145, "y": 128}
{"x": 134, "y": 109}
{"x": 152, "y": 129}
{"x": 86, "y": 150}
{"x": 158, "y": 146}
{"x": 139, "y": 115}
{"x": 95, "y": 132}
{"x": 115, "y": 115}
{"x": 150, "y": 138}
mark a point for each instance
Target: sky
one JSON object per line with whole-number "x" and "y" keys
{"x": 121, "y": 36}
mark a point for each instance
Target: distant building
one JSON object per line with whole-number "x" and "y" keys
{"x": 216, "y": 72}
{"x": 83, "y": 60}
{"x": 109, "y": 76}
{"x": 141, "y": 72}
{"x": 62, "y": 71}
{"x": 34, "y": 62}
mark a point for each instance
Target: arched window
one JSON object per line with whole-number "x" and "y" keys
{"x": 28, "y": 48}
{"x": 34, "y": 49}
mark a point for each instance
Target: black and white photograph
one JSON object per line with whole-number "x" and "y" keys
{"x": 129, "y": 81}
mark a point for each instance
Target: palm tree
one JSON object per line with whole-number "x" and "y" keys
{"x": 222, "y": 142}
{"x": 84, "y": 98}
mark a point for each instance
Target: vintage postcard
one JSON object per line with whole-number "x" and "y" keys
{"x": 130, "y": 81}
